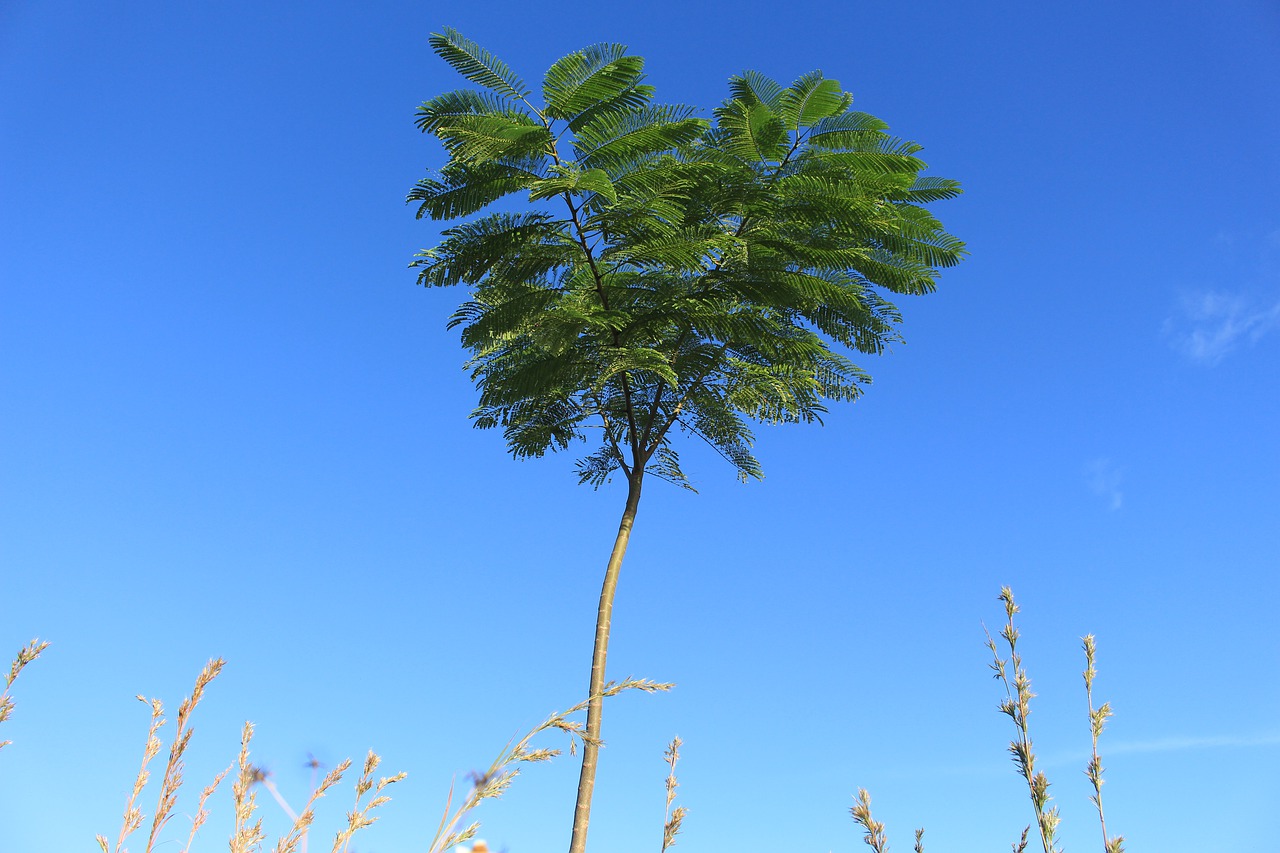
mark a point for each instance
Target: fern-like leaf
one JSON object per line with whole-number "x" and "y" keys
{"x": 441, "y": 109}
{"x": 588, "y": 78}
{"x": 477, "y": 64}
{"x": 811, "y": 99}
{"x": 755, "y": 89}
{"x": 754, "y": 133}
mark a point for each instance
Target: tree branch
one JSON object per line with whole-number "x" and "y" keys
{"x": 612, "y": 439}
{"x": 684, "y": 398}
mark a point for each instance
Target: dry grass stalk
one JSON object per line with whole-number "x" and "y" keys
{"x": 1017, "y": 704}
{"x": 493, "y": 782}
{"x": 181, "y": 739}
{"x": 671, "y": 824}
{"x": 25, "y": 656}
{"x": 1097, "y": 722}
{"x": 202, "y": 813}
{"x": 358, "y": 818}
{"x": 861, "y": 811}
{"x": 132, "y": 814}
{"x": 247, "y": 834}
{"x": 302, "y": 823}
{"x": 172, "y": 780}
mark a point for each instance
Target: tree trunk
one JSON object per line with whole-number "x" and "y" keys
{"x": 591, "y": 742}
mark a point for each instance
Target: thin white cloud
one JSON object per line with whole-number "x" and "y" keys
{"x": 1106, "y": 749}
{"x": 1176, "y": 743}
{"x": 1180, "y": 743}
{"x": 1210, "y": 324}
{"x": 1104, "y": 480}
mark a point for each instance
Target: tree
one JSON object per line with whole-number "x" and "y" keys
{"x": 670, "y": 275}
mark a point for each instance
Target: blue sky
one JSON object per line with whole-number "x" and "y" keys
{"x": 232, "y": 425}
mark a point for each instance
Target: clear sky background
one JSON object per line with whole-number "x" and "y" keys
{"x": 231, "y": 425}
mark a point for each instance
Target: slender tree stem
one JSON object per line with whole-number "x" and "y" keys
{"x": 604, "y": 616}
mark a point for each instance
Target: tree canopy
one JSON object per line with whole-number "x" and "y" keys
{"x": 668, "y": 274}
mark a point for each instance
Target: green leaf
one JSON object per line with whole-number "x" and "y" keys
{"x": 811, "y": 99}
{"x": 754, "y": 133}
{"x": 665, "y": 464}
{"x": 680, "y": 250}
{"x": 630, "y": 99}
{"x": 475, "y": 139}
{"x": 464, "y": 190}
{"x": 574, "y": 182}
{"x": 589, "y": 78}
{"x": 613, "y": 140}
{"x": 849, "y": 128}
{"x": 442, "y": 109}
{"x": 597, "y": 181}
{"x": 477, "y": 64}
{"x": 473, "y": 249}
{"x": 932, "y": 189}
{"x": 596, "y": 468}
{"x": 637, "y": 359}
{"x": 753, "y": 89}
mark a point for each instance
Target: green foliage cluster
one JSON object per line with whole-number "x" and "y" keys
{"x": 668, "y": 271}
